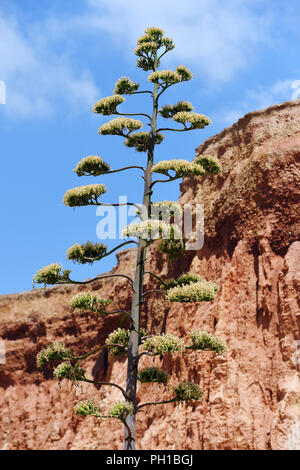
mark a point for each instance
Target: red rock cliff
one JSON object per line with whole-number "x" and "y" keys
{"x": 251, "y": 249}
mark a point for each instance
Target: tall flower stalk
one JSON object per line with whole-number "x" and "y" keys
{"x": 135, "y": 342}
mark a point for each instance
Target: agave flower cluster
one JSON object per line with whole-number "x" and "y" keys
{"x": 86, "y": 408}
{"x": 151, "y": 230}
{"x": 162, "y": 209}
{"x": 209, "y": 163}
{"x": 179, "y": 166}
{"x": 53, "y": 352}
{"x": 207, "y": 341}
{"x": 120, "y": 126}
{"x": 194, "y": 292}
{"x": 87, "y": 252}
{"x": 149, "y": 44}
{"x": 173, "y": 248}
{"x": 121, "y": 410}
{"x": 169, "y": 110}
{"x": 92, "y": 303}
{"x": 84, "y": 195}
{"x": 162, "y": 344}
{"x": 120, "y": 338}
{"x": 197, "y": 121}
{"x": 52, "y": 274}
{"x": 183, "y": 280}
{"x": 152, "y": 32}
{"x": 93, "y": 165}
{"x": 184, "y": 73}
{"x": 65, "y": 370}
{"x": 145, "y": 48}
{"x": 153, "y": 374}
{"x": 140, "y": 140}
{"x": 164, "y": 77}
{"x": 108, "y": 105}
{"x": 124, "y": 86}
{"x": 165, "y": 209}
{"x": 186, "y": 391}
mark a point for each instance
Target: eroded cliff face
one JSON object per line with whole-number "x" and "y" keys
{"x": 252, "y": 392}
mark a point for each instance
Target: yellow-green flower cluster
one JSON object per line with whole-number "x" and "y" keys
{"x": 84, "y": 195}
{"x": 140, "y": 140}
{"x": 173, "y": 248}
{"x": 52, "y": 274}
{"x": 152, "y": 230}
{"x": 153, "y": 374}
{"x": 91, "y": 303}
{"x": 86, "y": 408}
{"x": 170, "y": 77}
{"x": 145, "y": 62}
{"x": 93, "y": 165}
{"x": 164, "y": 77}
{"x": 124, "y": 86}
{"x": 162, "y": 344}
{"x": 146, "y": 38}
{"x": 87, "y": 252}
{"x": 146, "y": 47}
{"x": 121, "y": 410}
{"x": 120, "y": 126}
{"x": 184, "y": 73}
{"x": 195, "y": 292}
{"x": 209, "y": 163}
{"x": 186, "y": 391}
{"x": 53, "y": 352}
{"x": 182, "y": 280}
{"x": 197, "y": 121}
{"x": 168, "y": 43}
{"x": 65, "y": 370}
{"x": 108, "y": 105}
{"x": 179, "y": 166}
{"x": 169, "y": 110}
{"x": 165, "y": 208}
{"x": 153, "y": 32}
{"x": 207, "y": 342}
{"x": 120, "y": 337}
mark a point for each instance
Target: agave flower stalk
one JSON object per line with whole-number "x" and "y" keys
{"x": 130, "y": 340}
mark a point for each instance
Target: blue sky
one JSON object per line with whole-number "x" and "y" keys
{"x": 58, "y": 57}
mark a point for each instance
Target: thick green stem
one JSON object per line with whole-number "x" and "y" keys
{"x": 133, "y": 347}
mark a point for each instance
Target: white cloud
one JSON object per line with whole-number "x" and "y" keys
{"x": 260, "y": 98}
{"x": 217, "y": 37}
{"x": 37, "y": 79}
